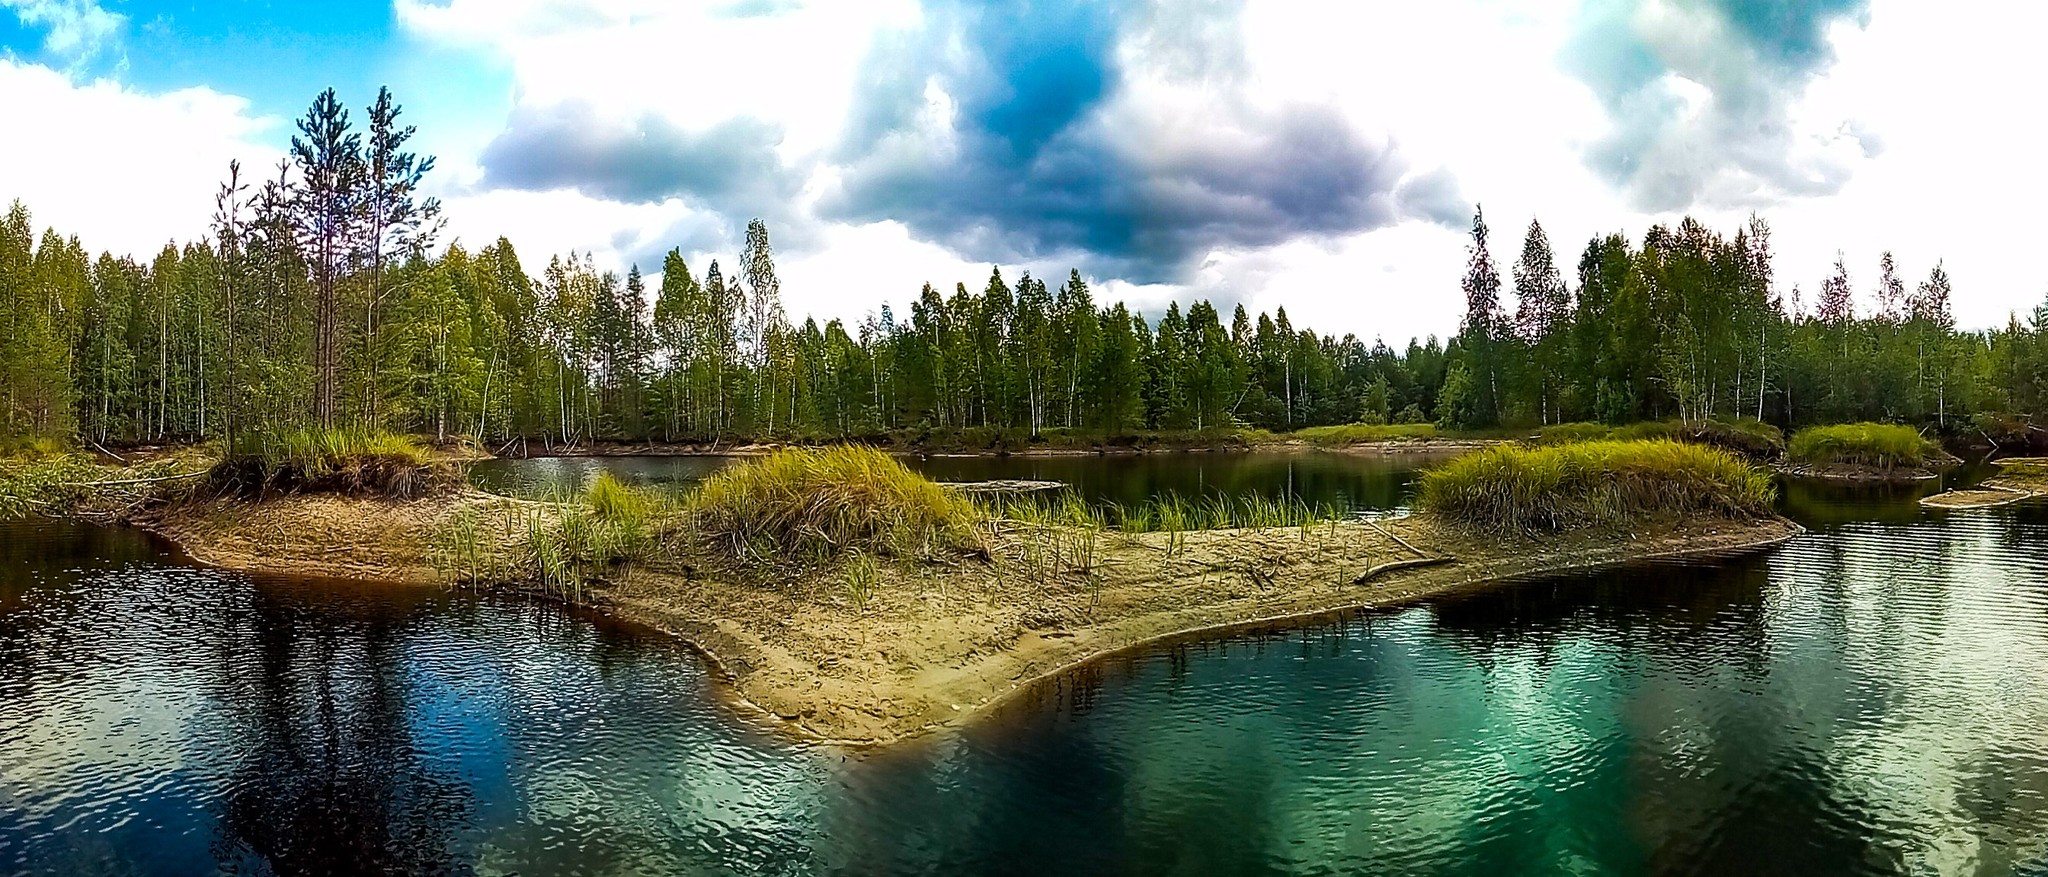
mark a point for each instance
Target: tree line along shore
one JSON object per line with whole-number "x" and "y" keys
{"x": 323, "y": 295}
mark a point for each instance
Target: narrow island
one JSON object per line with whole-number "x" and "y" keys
{"x": 857, "y": 602}
{"x": 1865, "y": 453}
{"x": 2017, "y": 479}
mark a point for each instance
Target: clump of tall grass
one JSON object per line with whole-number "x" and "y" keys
{"x": 1362, "y": 433}
{"x": 1878, "y": 445}
{"x": 822, "y": 503}
{"x": 587, "y": 537}
{"x": 1560, "y": 487}
{"x": 353, "y": 461}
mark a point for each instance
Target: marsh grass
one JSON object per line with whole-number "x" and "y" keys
{"x": 1600, "y": 483}
{"x": 1362, "y": 433}
{"x": 350, "y": 461}
{"x": 862, "y": 578}
{"x": 818, "y": 504}
{"x": 1878, "y": 445}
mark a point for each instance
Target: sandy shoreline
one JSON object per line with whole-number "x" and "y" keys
{"x": 938, "y": 644}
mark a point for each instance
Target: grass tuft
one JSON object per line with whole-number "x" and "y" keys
{"x": 1602, "y": 483}
{"x": 1878, "y": 445}
{"x": 822, "y": 503}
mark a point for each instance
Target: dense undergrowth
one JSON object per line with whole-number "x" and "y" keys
{"x": 1876, "y": 445}
{"x": 1598, "y": 483}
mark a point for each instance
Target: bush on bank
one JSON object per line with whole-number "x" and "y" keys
{"x": 351, "y": 461}
{"x": 1877, "y": 445}
{"x": 1599, "y": 483}
{"x": 821, "y": 503}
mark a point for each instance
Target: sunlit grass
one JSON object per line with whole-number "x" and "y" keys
{"x": 1559, "y": 487}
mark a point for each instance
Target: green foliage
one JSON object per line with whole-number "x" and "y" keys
{"x": 323, "y": 301}
{"x": 1878, "y": 445}
{"x": 1601, "y": 483}
{"x": 32, "y": 447}
{"x": 1363, "y": 433}
{"x": 805, "y": 503}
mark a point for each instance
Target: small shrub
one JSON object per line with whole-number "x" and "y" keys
{"x": 1593, "y": 483}
{"x": 821, "y": 503}
{"x": 1878, "y": 445}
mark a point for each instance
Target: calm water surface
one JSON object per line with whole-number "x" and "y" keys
{"x": 1870, "y": 699}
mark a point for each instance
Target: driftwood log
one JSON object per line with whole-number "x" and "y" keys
{"x": 1394, "y": 565}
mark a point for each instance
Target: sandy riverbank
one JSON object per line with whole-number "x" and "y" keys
{"x": 931, "y": 644}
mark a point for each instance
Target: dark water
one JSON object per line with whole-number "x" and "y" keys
{"x": 1341, "y": 480}
{"x": 1871, "y": 699}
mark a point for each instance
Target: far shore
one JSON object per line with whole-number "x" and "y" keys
{"x": 941, "y": 643}
{"x": 1280, "y": 444}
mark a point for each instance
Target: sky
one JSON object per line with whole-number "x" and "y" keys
{"x": 1324, "y": 156}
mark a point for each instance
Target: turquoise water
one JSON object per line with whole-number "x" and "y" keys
{"x": 1870, "y": 699}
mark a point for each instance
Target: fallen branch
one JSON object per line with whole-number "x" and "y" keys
{"x": 1392, "y": 566}
{"x": 103, "y": 450}
{"x": 1404, "y": 543}
{"x": 132, "y": 481}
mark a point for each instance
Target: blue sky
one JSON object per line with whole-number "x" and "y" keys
{"x": 1322, "y": 156}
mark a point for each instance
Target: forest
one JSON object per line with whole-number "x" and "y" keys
{"x": 322, "y": 295}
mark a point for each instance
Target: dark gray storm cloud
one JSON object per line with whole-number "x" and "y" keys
{"x": 731, "y": 167}
{"x": 1752, "y": 58}
{"x": 1033, "y": 159}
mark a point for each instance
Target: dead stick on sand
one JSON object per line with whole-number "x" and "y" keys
{"x": 1385, "y": 568}
{"x": 1404, "y": 543}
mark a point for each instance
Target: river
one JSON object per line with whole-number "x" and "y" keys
{"x": 1870, "y": 699}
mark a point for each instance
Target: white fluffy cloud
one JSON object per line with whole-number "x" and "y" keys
{"x": 124, "y": 170}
